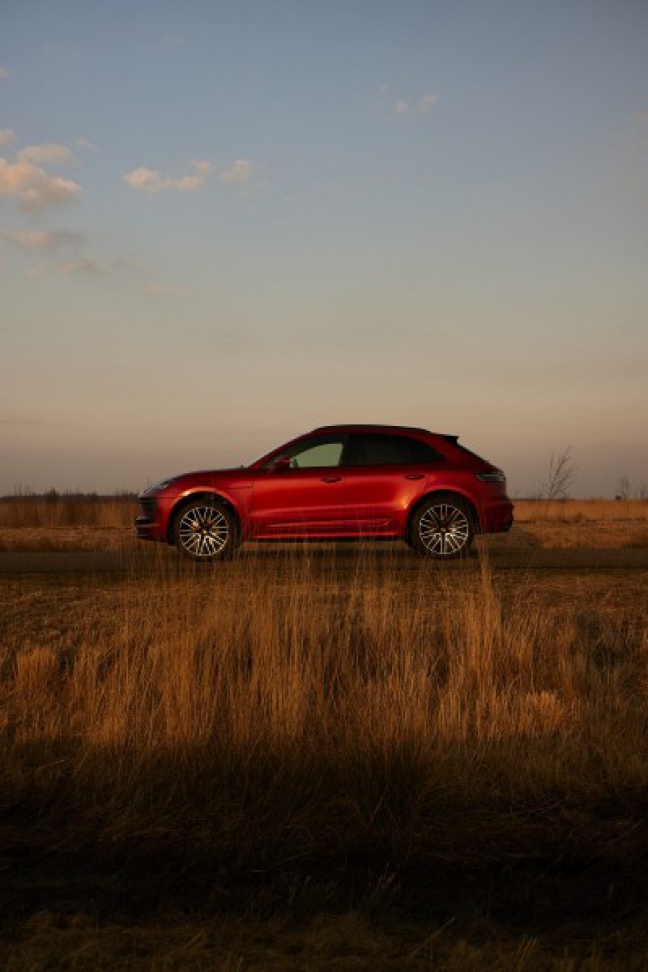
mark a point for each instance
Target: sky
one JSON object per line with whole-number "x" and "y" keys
{"x": 222, "y": 225}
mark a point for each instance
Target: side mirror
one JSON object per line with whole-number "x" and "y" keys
{"x": 281, "y": 464}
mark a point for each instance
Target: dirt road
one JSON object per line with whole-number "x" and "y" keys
{"x": 151, "y": 560}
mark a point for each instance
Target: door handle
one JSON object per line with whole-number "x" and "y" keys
{"x": 415, "y": 476}
{"x": 331, "y": 479}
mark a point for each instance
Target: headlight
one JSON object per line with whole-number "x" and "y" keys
{"x": 158, "y": 487}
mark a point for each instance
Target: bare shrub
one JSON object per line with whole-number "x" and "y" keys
{"x": 560, "y": 479}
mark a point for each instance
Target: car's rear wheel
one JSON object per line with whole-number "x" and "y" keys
{"x": 205, "y": 530}
{"x": 442, "y": 527}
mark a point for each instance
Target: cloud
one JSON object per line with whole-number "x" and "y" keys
{"x": 387, "y": 102}
{"x": 26, "y": 180}
{"x": 428, "y": 102}
{"x": 152, "y": 181}
{"x": 50, "y": 153}
{"x": 4, "y": 73}
{"x": 43, "y": 241}
{"x": 82, "y": 265}
{"x": 201, "y": 166}
{"x": 158, "y": 291}
{"x": 85, "y": 145}
{"x": 239, "y": 174}
{"x": 7, "y": 136}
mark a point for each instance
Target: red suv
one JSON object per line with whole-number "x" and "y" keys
{"x": 337, "y": 482}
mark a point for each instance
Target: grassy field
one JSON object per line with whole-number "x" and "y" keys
{"x": 106, "y": 523}
{"x": 114, "y": 512}
{"x": 325, "y": 758}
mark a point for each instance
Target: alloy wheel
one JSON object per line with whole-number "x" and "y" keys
{"x": 203, "y": 531}
{"x": 444, "y": 530}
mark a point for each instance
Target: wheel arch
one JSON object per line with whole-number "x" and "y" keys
{"x": 474, "y": 512}
{"x": 201, "y": 494}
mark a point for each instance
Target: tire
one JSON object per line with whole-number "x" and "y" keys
{"x": 442, "y": 528}
{"x": 205, "y": 531}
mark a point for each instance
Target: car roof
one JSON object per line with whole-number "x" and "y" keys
{"x": 361, "y": 427}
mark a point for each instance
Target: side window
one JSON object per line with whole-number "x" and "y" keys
{"x": 313, "y": 453}
{"x": 320, "y": 454}
{"x": 384, "y": 450}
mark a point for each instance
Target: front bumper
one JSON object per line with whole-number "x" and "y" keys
{"x": 147, "y": 526}
{"x": 145, "y": 530}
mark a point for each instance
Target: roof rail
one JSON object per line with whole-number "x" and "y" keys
{"x": 368, "y": 425}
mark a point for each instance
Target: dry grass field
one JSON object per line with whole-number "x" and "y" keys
{"x": 324, "y": 757}
{"x": 70, "y": 523}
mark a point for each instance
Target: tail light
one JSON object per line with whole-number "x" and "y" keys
{"x": 492, "y": 476}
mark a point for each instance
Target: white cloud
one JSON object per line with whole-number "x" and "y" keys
{"x": 7, "y": 136}
{"x": 85, "y": 145}
{"x": 4, "y": 73}
{"x": 152, "y": 181}
{"x": 387, "y": 102}
{"x": 239, "y": 174}
{"x": 82, "y": 265}
{"x": 428, "y": 102}
{"x": 201, "y": 166}
{"x": 158, "y": 291}
{"x": 41, "y": 240}
{"x": 49, "y": 153}
{"x": 33, "y": 187}
{"x": 27, "y": 181}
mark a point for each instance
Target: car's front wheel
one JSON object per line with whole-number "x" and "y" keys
{"x": 442, "y": 527}
{"x": 205, "y": 530}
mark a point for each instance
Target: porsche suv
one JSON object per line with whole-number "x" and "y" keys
{"x": 335, "y": 483}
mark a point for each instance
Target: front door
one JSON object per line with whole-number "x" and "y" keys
{"x": 301, "y": 493}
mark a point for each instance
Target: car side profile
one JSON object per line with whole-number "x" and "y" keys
{"x": 340, "y": 482}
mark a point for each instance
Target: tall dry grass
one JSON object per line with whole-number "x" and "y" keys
{"x": 580, "y": 510}
{"x": 68, "y": 510}
{"x": 282, "y": 723}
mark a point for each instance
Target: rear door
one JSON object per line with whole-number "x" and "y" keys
{"x": 384, "y": 475}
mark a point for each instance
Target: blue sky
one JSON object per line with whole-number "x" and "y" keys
{"x": 221, "y": 225}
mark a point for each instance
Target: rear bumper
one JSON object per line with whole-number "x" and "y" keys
{"x": 497, "y": 517}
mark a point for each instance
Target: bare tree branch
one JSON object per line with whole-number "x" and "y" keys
{"x": 560, "y": 477}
